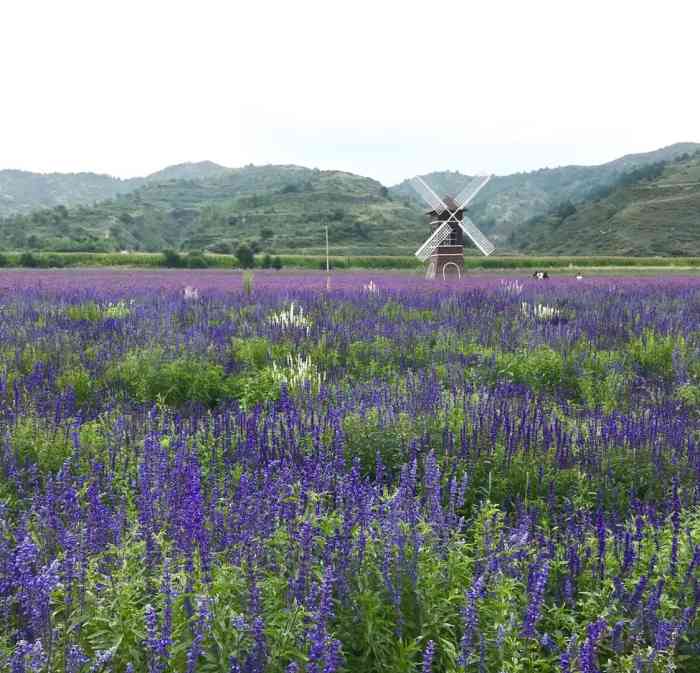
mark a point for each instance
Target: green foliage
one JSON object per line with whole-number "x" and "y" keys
{"x": 173, "y": 259}
{"x": 367, "y": 438}
{"x": 648, "y": 210}
{"x": 245, "y": 257}
{"x": 82, "y": 383}
{"x": 148, "y": 376}
{"x": 248, "y": 282}
{"x": 652, "y": 354}
{"x": 253, "y": 352}
{"x": 86, "y": 311}
{"x": 541, "y": 369}
{"x": 689, "y": 394}
{"x": 34, "y": 442}
{"x": 29, "y": 260}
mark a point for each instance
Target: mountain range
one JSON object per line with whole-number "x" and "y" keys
{"x": 641, "y": 204}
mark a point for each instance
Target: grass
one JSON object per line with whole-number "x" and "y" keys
{"x": 405, "y": 262}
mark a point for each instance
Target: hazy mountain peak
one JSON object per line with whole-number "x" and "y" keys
{"x": 662, "y": 154}
{"x": 189, "y": 170}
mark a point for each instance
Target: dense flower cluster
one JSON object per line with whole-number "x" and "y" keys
{"x": 447, "y": 485}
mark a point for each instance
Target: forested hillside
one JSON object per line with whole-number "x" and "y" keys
{"x": 273, "y": 207}
{"x": 644, "y": 204}
{"x": 653, "y": 210}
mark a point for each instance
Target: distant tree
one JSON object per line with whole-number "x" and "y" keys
{"x": 565, "y": 209}
{"x": 266, "y": 234}
{"x": 54, "y": 262}
{"x": 290, "y": 188}
{"x": 384, "y": 192}
{"x": 29, "y": 260}
{"x": 3, "y": 260}
{"x": 266, "y": 262}
{"x": 277, "y": 263}
{"x": 173, "y": 259}
{"x": 245, "y": 256}
{"x": 34, "y": 242}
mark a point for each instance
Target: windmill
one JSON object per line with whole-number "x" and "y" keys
{"x": 445, "y": 247}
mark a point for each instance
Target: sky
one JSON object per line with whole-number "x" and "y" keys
{"x": 381, "y": 88}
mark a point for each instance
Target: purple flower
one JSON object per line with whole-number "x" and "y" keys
{"x": 428, "y": 656}
{"x": 540, "y": 573}
{"x": 589, "y": 657}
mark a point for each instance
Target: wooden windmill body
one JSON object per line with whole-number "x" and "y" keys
{"x": 447, "y": 259}
{"x": 444, "y": 249}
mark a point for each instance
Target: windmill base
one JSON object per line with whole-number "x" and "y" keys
{"x": 446, "y": 266}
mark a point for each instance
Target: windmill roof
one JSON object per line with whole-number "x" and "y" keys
{"x": 448, "y": 201}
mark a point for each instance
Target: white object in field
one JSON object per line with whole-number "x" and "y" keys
{"x": 291, "y": 318}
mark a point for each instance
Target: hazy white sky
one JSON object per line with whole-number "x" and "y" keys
{"x": 382, "y": 88}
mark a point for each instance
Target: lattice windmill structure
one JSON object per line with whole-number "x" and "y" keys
{"x": 445, "y": 247}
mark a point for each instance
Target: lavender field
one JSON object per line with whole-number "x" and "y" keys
{"x": 202, "y": 471}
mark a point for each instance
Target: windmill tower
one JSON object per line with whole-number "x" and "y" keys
{"x": 445, "y": 247}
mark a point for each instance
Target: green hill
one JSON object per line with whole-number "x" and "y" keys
{"x": 278, "y": 209}
{"x": 23, "y": 191}
{"x": 649, "y": 211}
{"x": 508, "y": 201}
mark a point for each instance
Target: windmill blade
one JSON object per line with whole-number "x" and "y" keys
{"x": 471, "y": 190}
{"x": 479, "y": 240}
{"x": 430, "y": 197}
{"x": 439, "y": 235}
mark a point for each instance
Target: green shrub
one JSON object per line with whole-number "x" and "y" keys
{"x": 541, "y": 369}
{"x": 652, "y": 354}
{"x": 172, "y": 259}
{"x": 245, "y": 256}
{"x": 248, "y": 282}
{"x": 253, "y": 353}
{"x": 28, "y": 260}
{"x": 53, "y": 262}
{"x": 35, "y": 442}
{"x": 148, "y": 376}
{"x": 689, "y": 394}
{"x": 82, "y": 383}
{"x": 87, "y": 311}
{"x": 367, "y": 437}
